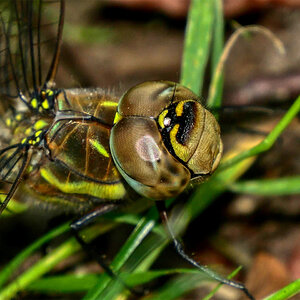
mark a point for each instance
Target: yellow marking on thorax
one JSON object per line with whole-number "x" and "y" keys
{"x": 104, "y": 104}
{"x": 99, "y": 148}
{"x": 117, "y": 118}
{"x": 110, "y": 103}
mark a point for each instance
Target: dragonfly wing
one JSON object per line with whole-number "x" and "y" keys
{"x": 30, "y": 42}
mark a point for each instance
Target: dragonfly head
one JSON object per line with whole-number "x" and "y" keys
{"x": 163, "y": 138}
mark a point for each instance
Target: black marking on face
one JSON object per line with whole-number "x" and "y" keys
{"x": 186, "y": 122}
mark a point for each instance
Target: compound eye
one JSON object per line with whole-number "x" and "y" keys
{"x": 143, "y": 160}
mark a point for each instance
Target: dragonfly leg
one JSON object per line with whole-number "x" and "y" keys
{"x": 91, "y": 216}
{"x": 77, "y": 225}
{"x": 179, "y": 249}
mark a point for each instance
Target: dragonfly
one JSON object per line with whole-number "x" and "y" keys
{"x": 87, "y": 151}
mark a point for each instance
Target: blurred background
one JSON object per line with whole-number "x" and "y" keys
{"x": 115, "y": 44}
{"x": 120, "y": 43}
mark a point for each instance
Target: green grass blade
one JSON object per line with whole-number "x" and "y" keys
{"x": 286, "y": 292}
{"x": 186, "y": 283}
{"x": 49, "y": 261}
{"x": 195, "y": 58}
{"x": 215, "y": 100}
{"x": 139, "y": 278}
{"x": 193, "y": 208}
{"x": 139, "y": 233}
{"x": 206, "y": 193}
{"x": 39, "y": 269}
{"x": 80, "y": 283}
{"x": 232, "y": 169}
{"x": 235, "y": 272}
{"x": 64, "y": 283}
{"x": 197, "y": 44}
{"x": 268, "y": 187}
{"x": 16, "y": 262}
{"x": 179, "y": 286}
{"x": 268, "y": 142}
{"x": 218, "y": 36}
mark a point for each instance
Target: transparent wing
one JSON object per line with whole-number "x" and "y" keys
{"x": 13, "y": 164}
{"x": 30, "y": 42}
